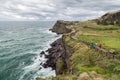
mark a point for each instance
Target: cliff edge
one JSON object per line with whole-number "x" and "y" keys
{"x": 58, "y": 56}
{"x": 74, "y": 60}
{"x": 62, "y": 27}
{"x": 110, "y": 18}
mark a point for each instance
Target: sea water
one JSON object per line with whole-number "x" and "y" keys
{"x": 20, "y": 47}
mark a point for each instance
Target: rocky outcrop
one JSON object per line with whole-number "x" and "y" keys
{"x": 59, "y": 53}
{"x": 58, "y": 56}
{"x": 90, "y": 76}
{"x": 60, "y": 27}
{"x": 110, "y": 18}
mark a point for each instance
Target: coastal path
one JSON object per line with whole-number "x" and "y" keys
{"x": 101, "y": 50}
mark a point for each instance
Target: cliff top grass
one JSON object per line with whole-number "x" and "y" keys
{"x": 85, "y": 58}
{"x": 86, "y": 63}
{"x": 108, "y": 35}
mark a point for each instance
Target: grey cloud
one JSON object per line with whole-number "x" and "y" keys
{"x": 55, "y": 9}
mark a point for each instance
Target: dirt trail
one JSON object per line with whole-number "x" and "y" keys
{"x": 101, "y": 50}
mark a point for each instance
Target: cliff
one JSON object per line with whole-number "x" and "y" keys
{"x": 110, "y": 18}
{"x": 62, "y": 27}
{"x": 58, "y": 57}
{"x": 73, "y": 59}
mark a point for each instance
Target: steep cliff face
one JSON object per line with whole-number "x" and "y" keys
{"x": 60, "y": 27}
{"x": 70, "y": 54}
{"x": 110, "y": 18}
{"x": 81, "y": 61}
{"x": 58, "y": 57}
{"x": 59, "y": 53}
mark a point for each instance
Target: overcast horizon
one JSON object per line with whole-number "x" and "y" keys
{"x": 52, "y": 10}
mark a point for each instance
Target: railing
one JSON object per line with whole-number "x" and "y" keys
{"x": 101, "y": 50}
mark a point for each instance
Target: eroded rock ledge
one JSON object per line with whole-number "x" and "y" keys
{"x": 58, "y": 57}
{"x": 110, "y": 18}
{"x": 60, "y": 27}
{"x": 59, "y": 53}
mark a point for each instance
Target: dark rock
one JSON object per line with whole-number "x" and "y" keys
{"x": 110, "y": 18}
{"x": 57, "y": 53}
{"x": 41, "y": 63}
{"x": 40, "y": 68}
{"x": 60, "y": 27}
{"x": 42, "y": 53}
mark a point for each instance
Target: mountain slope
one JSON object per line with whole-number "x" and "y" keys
{"x": 110, "y": 18}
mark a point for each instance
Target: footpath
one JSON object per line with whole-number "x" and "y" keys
{"x": 101, "y": 50}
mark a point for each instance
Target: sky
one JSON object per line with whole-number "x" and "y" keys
{"x": 50, "y": 10}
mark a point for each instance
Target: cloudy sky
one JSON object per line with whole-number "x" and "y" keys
{"x": 55, "y": 9}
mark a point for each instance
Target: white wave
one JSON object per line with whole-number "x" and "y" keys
{"x": 44, "y": 72}
{"x": 33, "y": 67}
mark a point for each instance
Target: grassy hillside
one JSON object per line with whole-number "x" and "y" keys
{"x": 110, "y": 18}
{"x": 86, "y": 62}
{"x": 87, "y": 59}
{"x": 108, "y": 35}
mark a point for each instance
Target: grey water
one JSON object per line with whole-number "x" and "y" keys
{"x": 20, "y": 45}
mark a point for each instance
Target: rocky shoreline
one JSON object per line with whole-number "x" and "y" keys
{"x": 73, "y": 60}
{"x": 59, "y": 53}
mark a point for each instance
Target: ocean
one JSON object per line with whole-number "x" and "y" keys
{"x": 20, "y": 45}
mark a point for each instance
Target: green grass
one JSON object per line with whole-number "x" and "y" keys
{"x": 88, "y": 69}
{"x": 108, "y": 35}
{"x": 61, "y": 77}
{"x": 87, "y": 59}
{"x": 108, "y": 42}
